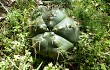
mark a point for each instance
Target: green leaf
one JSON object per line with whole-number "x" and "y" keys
{"x": 103, "y": 67}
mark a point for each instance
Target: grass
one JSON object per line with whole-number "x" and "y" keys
{"x": 90, "y": 53}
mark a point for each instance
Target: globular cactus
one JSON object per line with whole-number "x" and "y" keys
{"x": 55, "y": 33}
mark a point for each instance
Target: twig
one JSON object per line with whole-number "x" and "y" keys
{"x": 39, "y": 66}
{"x": 4, "y": 7}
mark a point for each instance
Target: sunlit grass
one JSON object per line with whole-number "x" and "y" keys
{"x": 91, "y": 52}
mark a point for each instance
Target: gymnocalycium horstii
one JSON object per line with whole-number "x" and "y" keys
{"x": 55, "y": 33}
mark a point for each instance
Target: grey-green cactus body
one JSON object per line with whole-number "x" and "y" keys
{"x": 57, "y": 31}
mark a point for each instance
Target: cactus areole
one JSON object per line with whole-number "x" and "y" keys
{"x": 55, "y": 33}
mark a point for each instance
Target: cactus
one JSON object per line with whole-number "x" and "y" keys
{"x": 55, "y": 33}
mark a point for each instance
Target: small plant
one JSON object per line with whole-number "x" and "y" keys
{"x": 54, "y": 67}
{"x": 56, "y": 33}
{"x": 18, "y": 62}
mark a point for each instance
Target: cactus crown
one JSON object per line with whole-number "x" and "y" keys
{"x": 55, "y": 32}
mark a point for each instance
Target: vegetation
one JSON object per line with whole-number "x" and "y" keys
{"x": 91, "y": 52}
